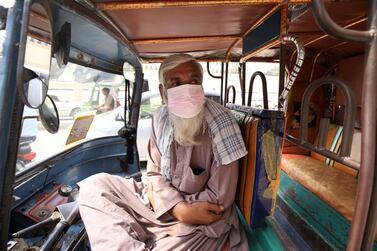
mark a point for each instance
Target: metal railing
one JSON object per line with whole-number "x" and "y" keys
{"x": 364, "y": 220}
{"x": 264, "y": 88}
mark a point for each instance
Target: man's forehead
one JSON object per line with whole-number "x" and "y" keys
{"x": 187, "y": 67}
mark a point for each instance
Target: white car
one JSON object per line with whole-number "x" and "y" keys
{"x": 66, "y": 108}
{"x": 108, "y": 123}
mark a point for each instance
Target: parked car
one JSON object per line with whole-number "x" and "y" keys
{"x": 109, "y": 123}
{"x": 66, "y": 108}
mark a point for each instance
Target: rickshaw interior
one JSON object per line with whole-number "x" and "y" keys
{"x": 308, "y": 181}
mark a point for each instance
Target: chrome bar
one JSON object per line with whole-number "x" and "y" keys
{"x": 350, "y": 112}
{"x": 226, "y": 81}
{"x": 326, "y": 24}
{"x": 363, "y": 226}
{"x": 283, "y": 98}
{"x": 264, "y": 86}
{"x": 231, "y": 87}
{"x": 343, "y": 160}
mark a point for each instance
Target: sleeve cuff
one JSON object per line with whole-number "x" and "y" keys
{"x": 160, "y": 211}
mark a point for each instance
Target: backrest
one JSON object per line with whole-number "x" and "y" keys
{"x": 333, "y": 141}
{"x": 262, "y": 131}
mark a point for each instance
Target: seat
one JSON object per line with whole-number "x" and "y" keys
{"x": 334, "y": 183}
{"x": 262, "y": 131}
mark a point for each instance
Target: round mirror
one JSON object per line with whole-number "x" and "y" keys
{"x": 35, "y": 54}
{"x": 49, "y": 115}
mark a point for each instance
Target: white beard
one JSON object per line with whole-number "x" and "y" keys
{"x": 186, "y": 130}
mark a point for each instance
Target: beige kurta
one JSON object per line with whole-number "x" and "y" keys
{"x": 116, "y": 218}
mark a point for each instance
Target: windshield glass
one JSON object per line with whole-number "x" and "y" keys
{"x": 77, "y": 91}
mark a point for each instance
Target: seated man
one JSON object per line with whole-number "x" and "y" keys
{"x": 108, "y": 102}
{"x": 187, "y": 201}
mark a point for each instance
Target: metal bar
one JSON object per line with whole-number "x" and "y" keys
{"x": 264, "y": 88}
{"x": 226, "y": 81}
{"x": 318, "y": 55}
{"x": 182, "y": 39}
{"x": 244, "y": 83}
{"x": 322, "y": 133}
{"x": 254, "y": 25}
{"x": 209, "y": 72}
{"x": 131, "y": 5}
{"x": 231, "y": 87}
{"x": 222, "y": 84}
{"x": 350, "y": 111}
{"x": 273, "y": 43}
{"x": 358, "y": 21}
{"x": 8, "y": 150}
{"x": 326, "y": 24}
{"x": 343, "y": 160}
{"x": 364, "y": 218}
{"x": 136, "y": 98}
{"x": 363, "y": 19}
{"x": 283, "y": 98}
{"x": 282, "y": 58}
{"x": 242, "y": 77}
{"x": 207, "y": 59}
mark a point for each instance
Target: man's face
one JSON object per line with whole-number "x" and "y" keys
{"x": 183, "y": 74}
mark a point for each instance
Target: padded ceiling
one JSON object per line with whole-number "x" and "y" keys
{"x": 158, "y": 28}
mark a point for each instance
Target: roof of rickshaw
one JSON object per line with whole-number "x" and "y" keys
{"x": 210, "y": 30}
{"x": 214, "y": 29}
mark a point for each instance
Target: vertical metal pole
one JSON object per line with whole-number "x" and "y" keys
{"x": 222, "y": 84}
{"x": 9, "y": 131}
{"x": 243, "y": 83}
{"x": 368, "y": 179}
{"x": 226, "y": 81}
{"x": 282, "y": 58}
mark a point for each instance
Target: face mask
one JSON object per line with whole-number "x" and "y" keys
{"x": 186, "y": 101}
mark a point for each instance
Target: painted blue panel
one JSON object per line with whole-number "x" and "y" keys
{"x": 273, "y": 121}
{"x": 73, "y": 165}
{"x": 262, "y": 204}
{"x": 264, "y": 33}
{"x": 324, "y": 220}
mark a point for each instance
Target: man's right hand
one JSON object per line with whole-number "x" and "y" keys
{"x": 197, "y": 213}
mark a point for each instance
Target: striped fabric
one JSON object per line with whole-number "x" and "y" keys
{"x": 227, "y": 142}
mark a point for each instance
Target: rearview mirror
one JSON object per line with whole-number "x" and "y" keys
{"x": 49, "y": 115}
{"x": 35, "y": 53}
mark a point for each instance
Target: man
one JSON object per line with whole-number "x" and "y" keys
{"x": 108, "y": 103}
{"x": 187, "y": 202}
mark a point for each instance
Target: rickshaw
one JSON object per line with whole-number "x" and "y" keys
{"x": 309, "y": 180}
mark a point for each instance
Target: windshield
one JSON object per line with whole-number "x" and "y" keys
{"x": 76, "y": 91}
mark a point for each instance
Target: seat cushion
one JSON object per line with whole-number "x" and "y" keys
{"x": 247, "y": 171}
{"x": 333, "y": 186}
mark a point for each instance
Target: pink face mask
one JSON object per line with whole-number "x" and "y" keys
{"x": 186, "y": 101}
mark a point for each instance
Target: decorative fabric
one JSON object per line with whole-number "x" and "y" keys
{"x": 227, "y": 142}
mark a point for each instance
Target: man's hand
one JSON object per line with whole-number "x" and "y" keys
{"x": 197, "y": 213}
